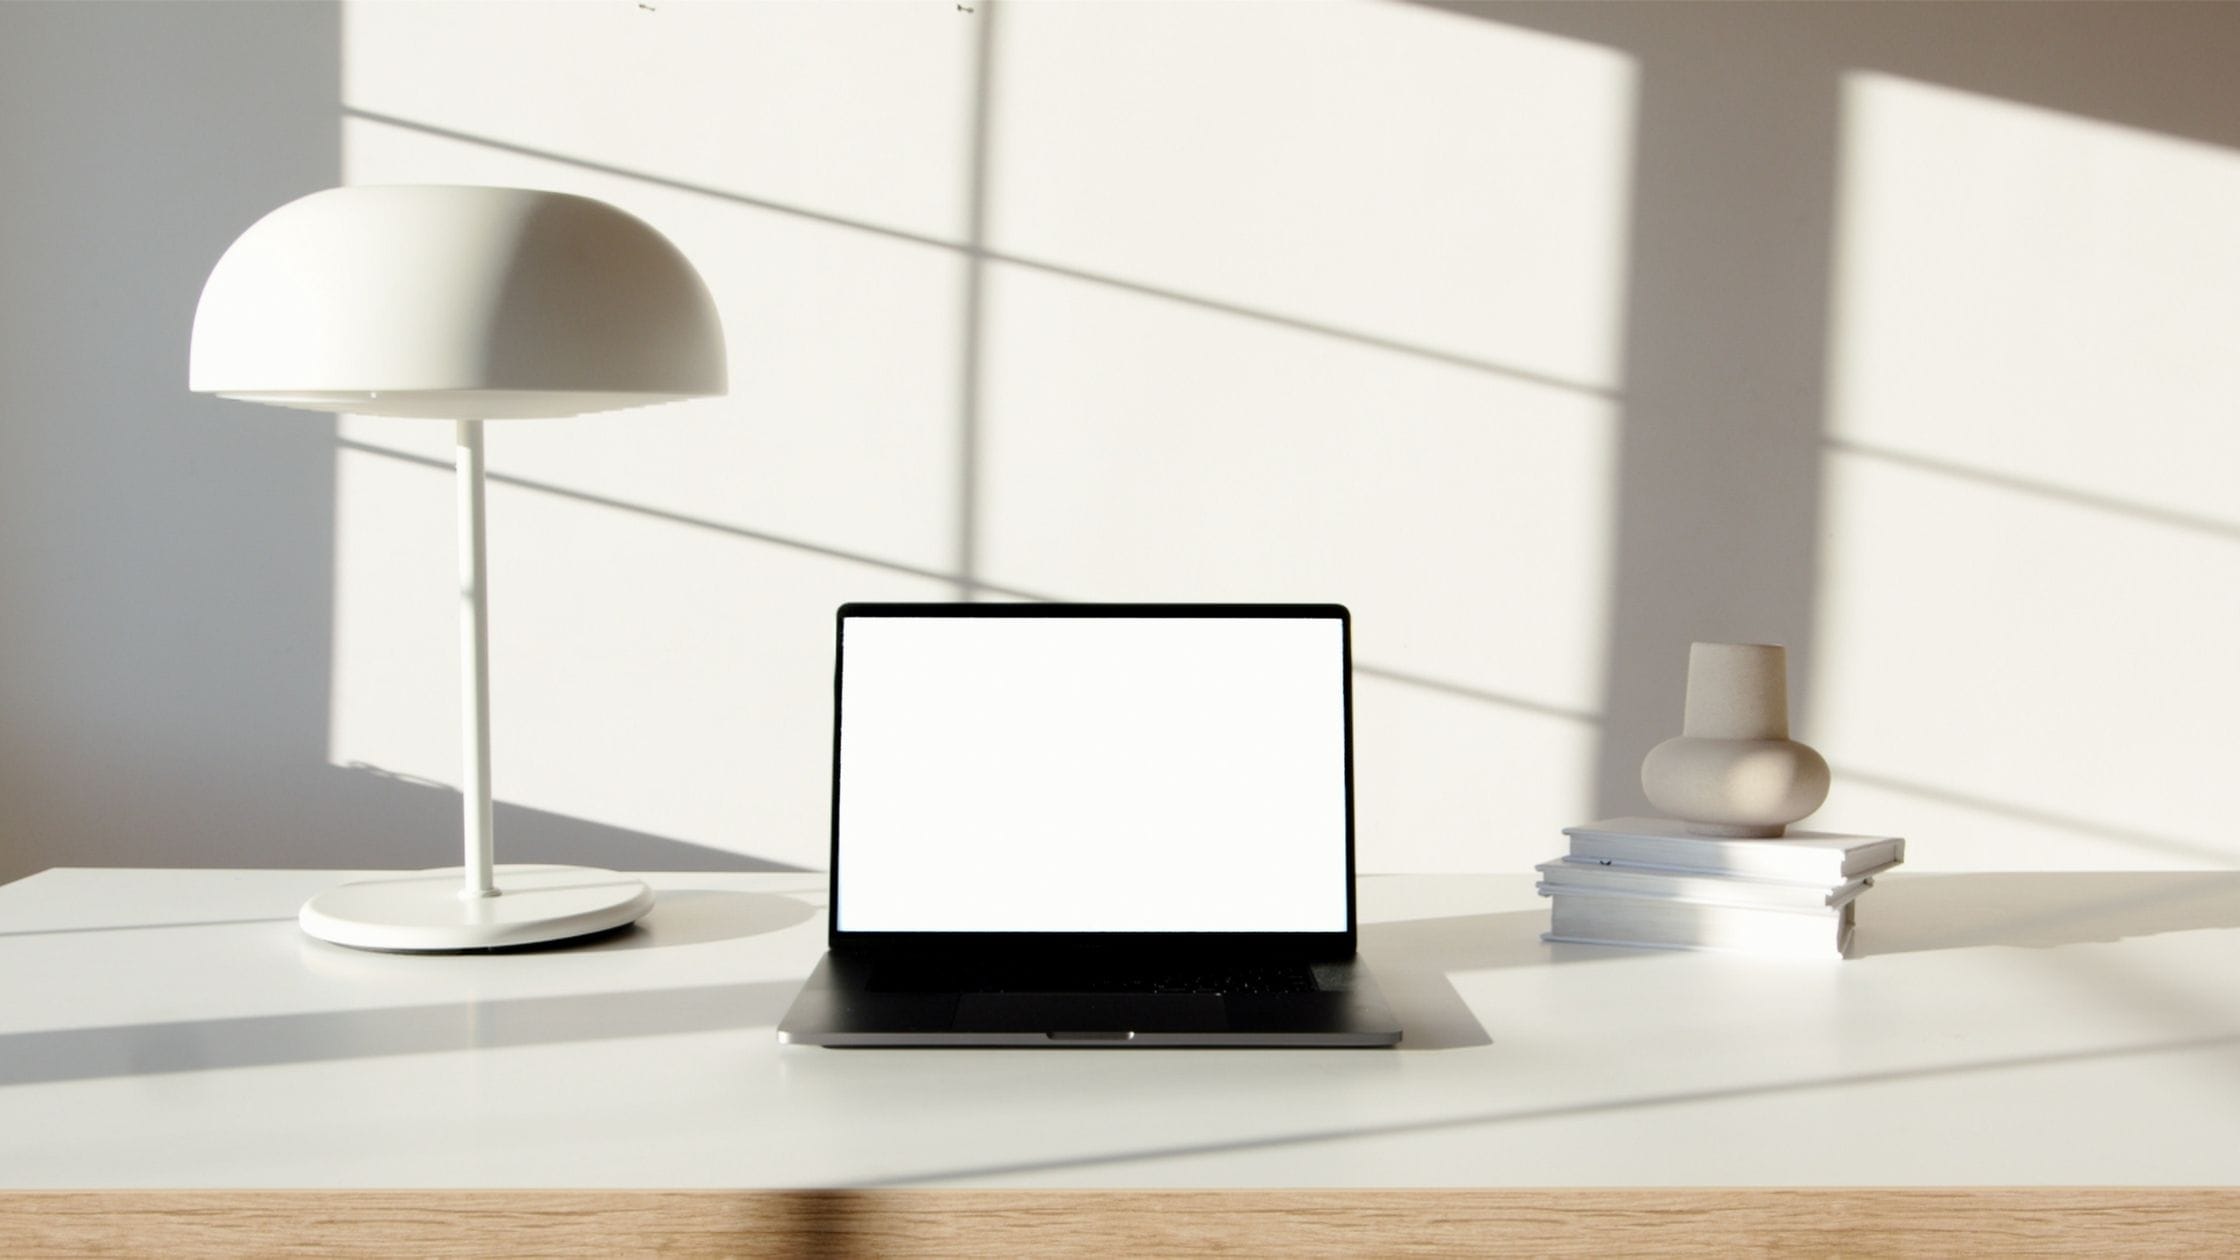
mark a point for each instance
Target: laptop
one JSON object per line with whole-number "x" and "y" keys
{"x": 1077, "y": 825}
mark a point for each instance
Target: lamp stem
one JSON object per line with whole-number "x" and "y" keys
{"x": 474, "y": 659}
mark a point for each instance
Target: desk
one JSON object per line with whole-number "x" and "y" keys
{"x": 165, "y": 1032}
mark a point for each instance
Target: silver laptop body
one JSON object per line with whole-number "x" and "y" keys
{"x": 1074, "y": 825}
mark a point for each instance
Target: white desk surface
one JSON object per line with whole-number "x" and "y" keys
{"x": 174, "y": 1029}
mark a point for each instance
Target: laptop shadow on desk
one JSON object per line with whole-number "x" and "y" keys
{"x": 1413, "y": 959}
{"x": 1913, "y": 913}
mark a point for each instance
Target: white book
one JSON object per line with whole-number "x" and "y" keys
{"x": 1591, "y": 919}
{"x": 1589, "y": 876}
{"x": 1800, "y": 855}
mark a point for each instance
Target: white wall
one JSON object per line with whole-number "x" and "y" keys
{"x": 1548, "y": 337}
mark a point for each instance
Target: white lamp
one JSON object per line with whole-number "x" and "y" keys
{"x": 467, "y": 304}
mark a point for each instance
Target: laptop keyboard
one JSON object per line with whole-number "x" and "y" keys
{"x": 1269, "y": 979}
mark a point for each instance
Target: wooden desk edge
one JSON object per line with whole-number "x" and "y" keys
{"x": 2064, "y": 1221}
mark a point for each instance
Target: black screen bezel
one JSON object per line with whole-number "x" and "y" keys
{"x": 1313, "y": 945}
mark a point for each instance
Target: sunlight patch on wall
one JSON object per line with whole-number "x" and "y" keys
{"x": 1464, "y": 516}
{"x": 859, "y": 111}
{"x": 650, "y": 670}
{"x": 1411, "y": 175}
{"x": 844, "y": 338}
{"x": 1325, "y": 308}
{"x": 844, "y": 357}
{"x": 670, "y": 680}
{"x": 2031, "y": 576}
{"x": 2041, "y": 297}
{"x": 1137, "y": 450}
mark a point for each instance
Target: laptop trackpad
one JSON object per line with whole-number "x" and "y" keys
{"x": 1091, "y": 1012}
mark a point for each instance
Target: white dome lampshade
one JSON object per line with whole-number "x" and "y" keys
{"x": 468, "y": 304}
{"x": 454, "y": 303}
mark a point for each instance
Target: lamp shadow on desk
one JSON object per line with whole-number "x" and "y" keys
{"x": 1413, "y": 959}
{"x": 1913, "y": 913}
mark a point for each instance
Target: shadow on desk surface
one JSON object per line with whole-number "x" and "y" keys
{"x": 1909, "y": 913}
{"x": 198, "y": 1045}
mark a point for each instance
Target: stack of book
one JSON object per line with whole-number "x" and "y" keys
{"x": 1651, "y": 882}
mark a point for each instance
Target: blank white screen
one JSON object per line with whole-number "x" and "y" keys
{"x": 1092, "y": 774}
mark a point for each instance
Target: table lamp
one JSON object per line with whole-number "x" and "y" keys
{"x": 466, "y": 304}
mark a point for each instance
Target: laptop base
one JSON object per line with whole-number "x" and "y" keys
{"x": 843, "y": 1005}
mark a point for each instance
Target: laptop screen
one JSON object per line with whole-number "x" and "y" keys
{"x": 1092, "y": 769}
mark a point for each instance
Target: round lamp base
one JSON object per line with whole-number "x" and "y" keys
{"x": 424, "y": 911}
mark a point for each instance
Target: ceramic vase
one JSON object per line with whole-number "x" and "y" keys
{"x": 1734, "y": 771}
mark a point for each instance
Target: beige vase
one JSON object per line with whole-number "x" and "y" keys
{"x": 1734, "y": 771}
